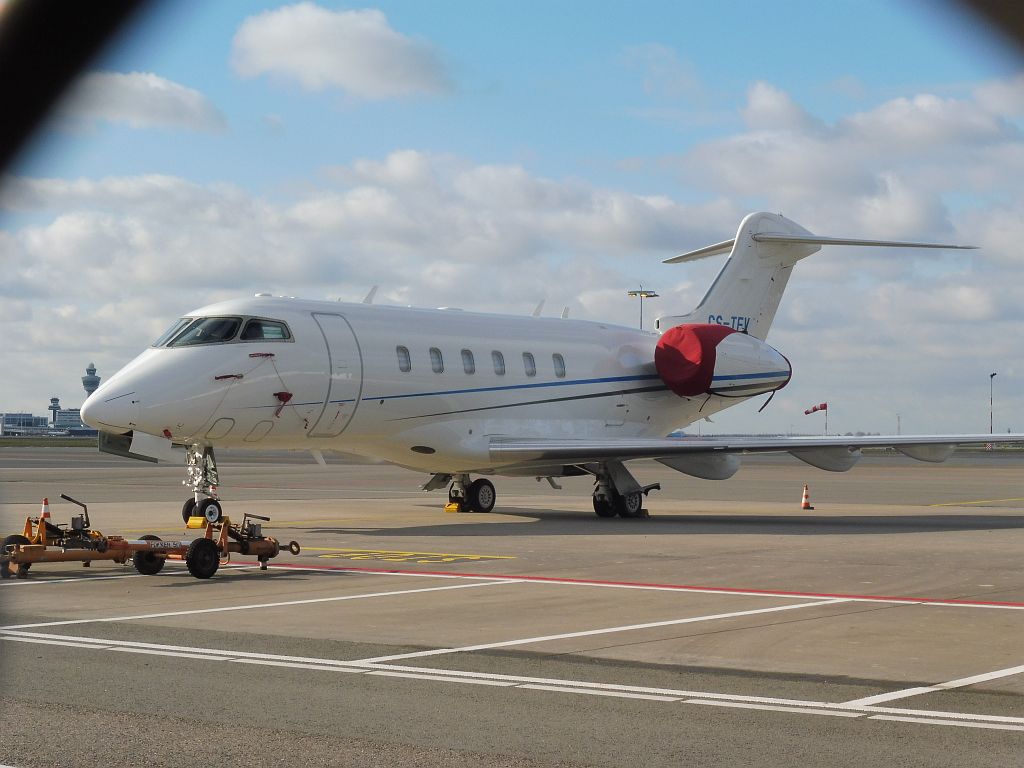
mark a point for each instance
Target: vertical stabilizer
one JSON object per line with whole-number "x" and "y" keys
{"x": 746, "y": 294}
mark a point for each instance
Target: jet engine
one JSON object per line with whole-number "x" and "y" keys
{"x": 697, "y": 359}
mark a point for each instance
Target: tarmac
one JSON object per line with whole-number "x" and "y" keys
{"x": 885, "y": 627}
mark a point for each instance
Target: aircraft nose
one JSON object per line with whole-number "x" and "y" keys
{"x": 111, "y": 411}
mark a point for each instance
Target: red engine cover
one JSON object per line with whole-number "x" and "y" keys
{"x": 685, "y": 357}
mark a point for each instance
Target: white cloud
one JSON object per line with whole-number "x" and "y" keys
{"x": 140, "y": 100}
{"x": 875, "y": 332}
{"x": 666, "y": 76}
{"x": 355, "y": 51}
{"x": 770, "y": 108}
{"x": 430, "y": 230}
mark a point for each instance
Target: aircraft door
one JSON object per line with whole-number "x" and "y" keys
{"x": 345, "y": 366}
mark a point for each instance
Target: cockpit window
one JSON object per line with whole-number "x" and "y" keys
{"x": 173, "y": 331}
{"x": 207, "y": 330}
{"x": 265, "y": 330}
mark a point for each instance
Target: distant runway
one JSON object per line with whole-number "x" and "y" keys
{"x": 730, "y": 628}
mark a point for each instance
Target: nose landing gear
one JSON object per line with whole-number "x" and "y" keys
{"x": 202, "y": 477}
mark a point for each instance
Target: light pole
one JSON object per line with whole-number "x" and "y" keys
{"x": 991, "y": 377}
{"x": 643, "y": 295}
{"x": 898, "y": 431}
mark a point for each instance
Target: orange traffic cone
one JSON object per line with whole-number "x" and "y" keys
{"x": 44, "y": 513}
{"x": 806, "y": 502}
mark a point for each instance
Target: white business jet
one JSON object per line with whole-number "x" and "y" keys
{"x": 463, "y": 394}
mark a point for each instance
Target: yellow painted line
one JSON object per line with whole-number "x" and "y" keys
{"x": 399, "y": 556}
{"x": 967, "y": 503}
{"x": 287, "y": 524}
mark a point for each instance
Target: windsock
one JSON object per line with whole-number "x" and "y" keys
{"x": 814, "y": 408}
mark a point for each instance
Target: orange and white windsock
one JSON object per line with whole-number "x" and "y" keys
{"x": 815, "y": 408}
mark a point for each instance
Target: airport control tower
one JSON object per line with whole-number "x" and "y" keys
{"x": 90, "y": 381}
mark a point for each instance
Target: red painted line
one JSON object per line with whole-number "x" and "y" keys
{"x": 640, "y": 585}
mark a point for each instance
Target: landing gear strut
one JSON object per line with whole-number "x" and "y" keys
{"x": 476, "y": 496}
{"x": 202, "y": 477}
{"x": 617, "y": 493}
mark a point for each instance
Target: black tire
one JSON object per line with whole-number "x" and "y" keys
{"x": 202, "y": 558}
{"x": 188, "y": 509}
{"x": 629, "y": 504}
{"x": 210, "y": 509}
{"x": 5, "y": 567}
{"x": 603, "y": 508}
{"x": 148, "y": 563}
{"x": 480, "y": 496}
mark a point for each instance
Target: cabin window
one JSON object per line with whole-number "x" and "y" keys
{"x": 529, "y": 364}
{"x": 404, "y": 360}
{"x": 207, "y": 330}
{"x": 468, "y": 363}
{"x": 559, "y": 362}
{"x": 499, "y": 362}
{"x": 436, "y": 361}
{"x": 265, "y": 330}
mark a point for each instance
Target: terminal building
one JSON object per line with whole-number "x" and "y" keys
{"x": 23, "y": 424}
{"x": 63, "y": 421}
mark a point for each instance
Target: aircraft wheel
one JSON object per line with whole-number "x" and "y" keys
{"x": 202, "y": 558}
{"x": 146, "y": 562}
{"x": 629, "y": 504}
{"x": 5, "y": 567}
{"x": 210, "y": 509}
{"x": 603, "y": 508}
{"x": 480, "y": 495}
{"x": 188, "y": 509}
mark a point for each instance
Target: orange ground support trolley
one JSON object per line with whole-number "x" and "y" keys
{"x": 44, "y": 542}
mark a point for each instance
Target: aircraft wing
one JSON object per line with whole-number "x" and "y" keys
{"x": 818, "y": 451}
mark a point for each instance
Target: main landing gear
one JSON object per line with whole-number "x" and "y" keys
{"x": 463, "y": 495}
{"x": 617, "y": 493}
{"x": 477, "y": 496}
{"x": 201, "y": 470}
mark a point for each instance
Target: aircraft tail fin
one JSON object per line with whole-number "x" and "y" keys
{"x": 747, "y": 291}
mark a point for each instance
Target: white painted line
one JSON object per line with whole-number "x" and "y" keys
{"x": 940, "y": 713}
{"x": 937, "y": 721}
{"x": 508, "y": 681}
{"x": 82, "y": 579}
{"x": 938, "y": 687}
{"x": 867, "y": 701}
{"x": 443, "y": 678}
{"x": 298, "y": 665}
{"x": 595, "y": 692}
{"x": 775, "y": 708}
{"x": 602, "y": 631}
{"x": 657, "y": 588}
{"x": 982, "y": 678}
{"x": 95, "y": 642}
{"x": 180, "y": 654}
{"x": 195, "y": 611}
{"x": 57, "y": 642}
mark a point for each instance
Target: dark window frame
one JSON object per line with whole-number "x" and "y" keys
{"x": 404, "y": 358}
{"x": 529, "y": 364}
{"x": 436, "y": 360}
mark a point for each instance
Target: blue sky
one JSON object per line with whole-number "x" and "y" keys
{"x": 540, "y": 150}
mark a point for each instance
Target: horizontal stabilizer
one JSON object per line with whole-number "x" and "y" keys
{"x": 815, "y": 240}
{"x": 702, "y": 253}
